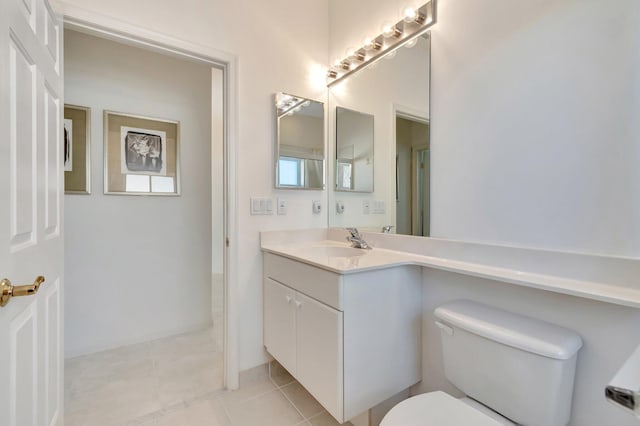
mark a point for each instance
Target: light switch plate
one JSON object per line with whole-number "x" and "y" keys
{"x": 378, "y": 207}
{"x": 261, "y": 206}
{"x": 269, "y": 206}
{"x": 316, "y": 207}
{"x": 339, "y": 207}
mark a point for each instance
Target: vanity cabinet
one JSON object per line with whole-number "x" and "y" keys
{"x": 305, "y": 336}
{"x": 352, "y": 340}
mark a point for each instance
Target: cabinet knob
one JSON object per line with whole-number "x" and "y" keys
{"x": 298, "y": 304}
{"x": 288, "y": 299}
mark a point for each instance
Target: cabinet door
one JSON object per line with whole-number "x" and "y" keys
{"x": 280, "y": 323}
{"x": 319, "y": 347}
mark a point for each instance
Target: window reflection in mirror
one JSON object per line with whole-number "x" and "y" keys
{"x": 300, "y": 142}
{"x": 395, "y": 88}
{"x": 354, "y": 151}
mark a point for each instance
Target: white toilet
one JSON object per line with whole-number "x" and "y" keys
{"x": 513, "y": 369}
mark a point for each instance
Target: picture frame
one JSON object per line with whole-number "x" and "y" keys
{"x": 77, "y": 149}
{"x": 141, "y": 155}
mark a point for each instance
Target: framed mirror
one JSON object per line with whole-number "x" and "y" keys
{"x": 300, "y": 143}
{"x": 354, "y": 151}
{"x": 394, "y": 91}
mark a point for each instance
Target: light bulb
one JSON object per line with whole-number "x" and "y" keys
{"x": 391, "y": 30}
{"x": 409, "y": 14}
{"x": 388, "y": 30}
{"x": 371, "y": 44}
{"x": 351, "y": 51}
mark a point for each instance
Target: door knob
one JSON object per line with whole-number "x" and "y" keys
{"x": 8, "y": 290}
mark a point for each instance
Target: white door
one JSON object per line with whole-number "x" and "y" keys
{"x": 31, "y": 189}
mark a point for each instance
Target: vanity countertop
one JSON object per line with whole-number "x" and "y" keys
{"x": 579, "y": 275}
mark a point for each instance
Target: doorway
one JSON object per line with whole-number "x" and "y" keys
{"x": 145, "y": 275}
{"x": 413, "y": 164}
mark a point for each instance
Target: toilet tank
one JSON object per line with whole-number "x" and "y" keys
{"x": 521, "y": 367}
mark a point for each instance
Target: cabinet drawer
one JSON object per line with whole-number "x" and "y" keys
{"x": 317, "y": 283}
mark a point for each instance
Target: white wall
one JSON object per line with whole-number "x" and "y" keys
{"x": 534, "y": 124}
{"x": 138, "y": 267}
{"x": 533, "y": 143}
{"x": 281, "y": 45}
{"x": 533, "y": 110}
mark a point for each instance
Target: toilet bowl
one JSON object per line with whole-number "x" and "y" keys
{"x": 439, "y": 408}
{"x": 514, "y": 370}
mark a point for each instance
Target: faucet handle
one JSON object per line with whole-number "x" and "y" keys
{"x": 386, "y": 229}
{"x": 354, "y": 232}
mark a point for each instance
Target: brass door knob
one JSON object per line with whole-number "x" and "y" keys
{"x": 8, "y": 290}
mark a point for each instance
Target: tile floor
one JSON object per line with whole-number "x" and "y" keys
{"x": 177, "y": 381}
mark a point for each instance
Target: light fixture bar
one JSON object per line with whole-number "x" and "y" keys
{"x": 296, "y": 102}
{"x": 403, "y": 32}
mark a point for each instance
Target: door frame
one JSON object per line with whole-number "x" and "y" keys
{"x": 81, "y": 20}
{"x": 408, "y": 113}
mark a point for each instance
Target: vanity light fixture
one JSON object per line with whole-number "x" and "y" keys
{"x": 289, "y": 105}
{"x": 414, "y": 23}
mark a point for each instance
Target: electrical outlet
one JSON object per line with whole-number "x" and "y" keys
{"x": 282, "y": 206}
{"x": 316, "y": 207}
{"x": 339, "y": 207}
{"x": 366, "y": 207}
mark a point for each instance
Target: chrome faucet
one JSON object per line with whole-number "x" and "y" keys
{"x": 356, "y": 239}
{"x": 386, "y": 229}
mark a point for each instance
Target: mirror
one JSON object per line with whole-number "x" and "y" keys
{"x": 394, "y": 93}
{"x": 300, "y": 142}
{"x": 354, "y": 151}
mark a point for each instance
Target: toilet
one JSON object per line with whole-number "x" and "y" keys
{"x": 513, "y": 370}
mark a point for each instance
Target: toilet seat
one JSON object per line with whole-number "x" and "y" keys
{"x": 436, "y": 409}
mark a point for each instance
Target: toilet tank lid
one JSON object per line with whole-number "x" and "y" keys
{"x": 519, "y": 331}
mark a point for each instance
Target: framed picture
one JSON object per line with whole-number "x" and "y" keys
{"x": 77, "y": 150}
{"x": 141, "y": 155}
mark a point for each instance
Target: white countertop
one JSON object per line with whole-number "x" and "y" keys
{"x": 542, "y": 269}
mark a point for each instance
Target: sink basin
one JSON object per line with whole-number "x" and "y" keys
{"x": 333, "y": 251}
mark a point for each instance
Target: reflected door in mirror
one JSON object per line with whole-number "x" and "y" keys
{"x": 354, "y": 151}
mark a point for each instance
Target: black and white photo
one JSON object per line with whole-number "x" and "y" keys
{"x": 68, "y": 145}
{"x": 141, "y": 155}
{"x": 143, "y": 151}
